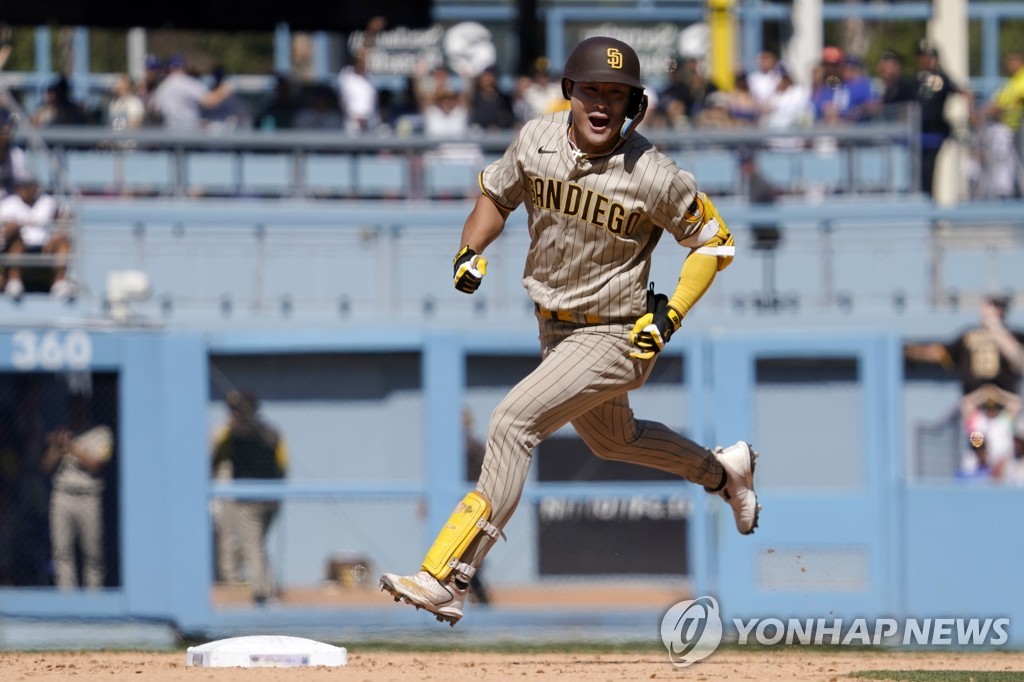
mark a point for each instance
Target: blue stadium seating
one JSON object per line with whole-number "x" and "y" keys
{"x": 148, "y": 172}
{"x": 329, "y": 175}
{"x": 93, "y": 172}
{"x": 382, "y": 175}
{"x": 211, "y": 172}
{"x": 266, "y": 173}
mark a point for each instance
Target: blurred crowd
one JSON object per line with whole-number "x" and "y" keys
{"x": 841, "y": 89}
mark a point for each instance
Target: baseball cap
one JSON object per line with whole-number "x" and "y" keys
{"x": 926, "y": 48}
{"x": 853, "y": 60}
{"x": 890, "y": 56}
{"x": 176, "y": 61}
{"x": 153, "y": 62}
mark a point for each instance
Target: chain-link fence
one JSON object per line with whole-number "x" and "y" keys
{"x": 59, "y": 479}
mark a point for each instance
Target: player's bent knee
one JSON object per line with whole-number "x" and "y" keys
{"x": 470, "y": 518}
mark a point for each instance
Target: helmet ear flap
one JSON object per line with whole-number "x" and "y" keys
{"x": 566, "y": 88}
{"x": 634, "y": 117}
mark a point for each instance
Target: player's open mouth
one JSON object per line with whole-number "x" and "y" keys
{"x": 598, "y": 121}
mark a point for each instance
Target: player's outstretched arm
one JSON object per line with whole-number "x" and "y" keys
{"x": 485, "y": 222}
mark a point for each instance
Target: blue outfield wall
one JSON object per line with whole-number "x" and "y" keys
{"x": 844, "y": 533}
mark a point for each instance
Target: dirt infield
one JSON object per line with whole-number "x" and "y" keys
{"x": 782, "y": 663}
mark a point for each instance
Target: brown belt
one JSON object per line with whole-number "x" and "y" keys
{"x": 568, "y": 316}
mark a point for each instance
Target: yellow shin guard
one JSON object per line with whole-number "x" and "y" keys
{"x": 470, "y": 518}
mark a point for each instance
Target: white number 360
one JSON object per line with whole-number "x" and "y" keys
{"x": 51, "y": 350}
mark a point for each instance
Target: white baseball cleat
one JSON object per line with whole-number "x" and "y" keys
{"x": 423, "y": 590}
{"x": 739, "y": 461}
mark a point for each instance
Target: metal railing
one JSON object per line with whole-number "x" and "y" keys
{"x": 420, "y": 163}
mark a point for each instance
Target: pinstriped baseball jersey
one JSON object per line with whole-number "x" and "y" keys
{"x": 594, "y": 222}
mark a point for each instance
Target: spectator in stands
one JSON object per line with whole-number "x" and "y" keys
{"x": 57, "y": 107}
{"x": 538, "y": 93}
{"x": 687, "y": 85}
{"x": 897, "y": 90}
{"x": 1014, "y": 474}
{"x": 934, "y": 87}
{"x": 989, "y": 425}
{"x": 994, "y": 172}
{"x": 247, "y": 447}
{"x": 358, "y": 96}
{"x": 858, "y": 101}
{"x": 281, "y": 110}
{"x": 490, "y": 109}
{"x": 76, "y": 455}
{"x": 400, "y": 111}
{"x": 181, "y": 99}
{"x": 28, "y": 218}
{"x": 126, "y": 111}
{"x": 787, "y": 108}
{"x": 673, "y": 115}
{"x": 12, "y": 158}
{"x": 321, "y": 111}
{"x": 154, "y": 75}
{"x": 429, "y": 81}
{"x": 715, "y": 113}
{"x": 828, "y": 83}
{"x": 764, "y": 80}
{"x": 744, "y": 108}
{"x": 231, "y": 112}
{"x": 447, "y": 116}
{"x": 1007, "y": 103}
{"x": 988, "y": 358}
{"x": 845, "y": 94}
{"x": 999, "y": 123}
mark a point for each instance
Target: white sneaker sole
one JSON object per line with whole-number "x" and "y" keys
{"x": 750, "y": 484}
{"x": 442, "y": 614}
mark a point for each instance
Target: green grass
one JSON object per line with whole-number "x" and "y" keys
{"x": 939, "y": 675}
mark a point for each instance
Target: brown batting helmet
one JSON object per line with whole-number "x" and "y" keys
{"x": 602, "y": 60}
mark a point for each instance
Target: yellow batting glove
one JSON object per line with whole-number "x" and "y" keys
{"x": 652, "y": 331}
{"x": 470, "y": 268}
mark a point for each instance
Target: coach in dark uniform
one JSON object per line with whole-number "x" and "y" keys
{"x": 249, "y": 448}
{"x": 934, "y": 86}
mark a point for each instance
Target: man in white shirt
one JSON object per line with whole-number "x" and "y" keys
{"x": 788, "y": 107}
{"x": 358, "y": 96}
{"x": 27, "y": 217}
{"x": 765, "y": 80}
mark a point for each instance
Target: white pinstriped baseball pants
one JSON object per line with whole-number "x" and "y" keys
{"x": 584, "y": 378}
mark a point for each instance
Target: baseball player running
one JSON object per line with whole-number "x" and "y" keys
{"x": 598, "y": 198}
